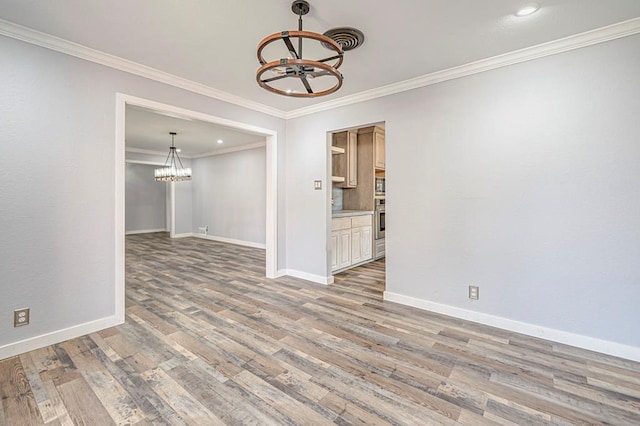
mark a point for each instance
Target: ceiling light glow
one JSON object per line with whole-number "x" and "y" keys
{"x": 219, "y": 140}
{"x": 528, "y": 9}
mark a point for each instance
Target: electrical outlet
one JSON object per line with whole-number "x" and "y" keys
{"x": 474, "y": 292}
{"x": 20, "y": 317}
{"x": 317, "y": 185}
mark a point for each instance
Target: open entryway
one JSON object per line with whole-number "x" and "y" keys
{"x": 358, "y": 203}
{"x": 231, "y": 198}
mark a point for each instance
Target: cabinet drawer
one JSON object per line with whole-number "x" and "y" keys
{"x": 340, "y": 223}
{"x": 358, "y": 221}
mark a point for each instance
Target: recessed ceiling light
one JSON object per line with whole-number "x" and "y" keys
{"x": 528, "y": 9}
{"x": 178, "y": 150}
{"x": 219, "y": 140}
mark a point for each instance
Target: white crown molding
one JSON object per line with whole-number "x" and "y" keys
{"x": 150, "y": 152}
{"x": 57, "y": 44}
{"x": 231, "y": 149}
{"x": 577, "y": 41}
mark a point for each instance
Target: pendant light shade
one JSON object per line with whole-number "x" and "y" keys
{"x": 173, "y": 170}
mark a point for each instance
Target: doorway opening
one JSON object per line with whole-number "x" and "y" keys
{"x": 358, "y": 203}
{"x": 269, "y": 144}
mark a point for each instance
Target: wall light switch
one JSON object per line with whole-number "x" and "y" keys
{"x": 317, "y": 184}
{"x": 474, "y": 292}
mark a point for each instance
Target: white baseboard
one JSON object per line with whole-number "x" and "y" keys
{"x": 320, "y": 279}
{"x": 559, "y": 336}
{"x": 145, "y": 231}
{"x": 37, "y": 342}
{"x": 185, "y": 235}
{"x": 231, "y": 241}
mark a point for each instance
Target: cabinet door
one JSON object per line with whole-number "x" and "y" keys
{"x": 379, "y": 150}
{"x": 356, "y": 245}
{"x": 344, "y": 251}
{"x": 334, "y": 250}
{"x": 352, "y": 159}
{"x": 366, "y": 242}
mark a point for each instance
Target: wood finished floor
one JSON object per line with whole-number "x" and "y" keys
{"x": 208, "y": 340}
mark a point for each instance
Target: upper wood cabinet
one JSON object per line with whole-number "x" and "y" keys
{"x": 378, "y": 140}
{"x": 345, "y": 165}
{"x": 370, "y": 164}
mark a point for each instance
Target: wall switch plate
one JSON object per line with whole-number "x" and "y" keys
{"x": 317, "y": 185}
{"x": 474, "y": 292}
{"x": 20, "y": 317}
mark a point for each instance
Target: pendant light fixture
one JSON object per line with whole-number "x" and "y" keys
{"x": 173, "y": 171}
{"x": 296, "y": 75}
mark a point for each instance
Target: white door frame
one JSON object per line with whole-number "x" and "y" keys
{"x": 271, "y": 136}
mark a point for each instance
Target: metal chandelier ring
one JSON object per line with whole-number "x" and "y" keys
{"x": 300, "y": 64}
{"x": 301, "y": 34}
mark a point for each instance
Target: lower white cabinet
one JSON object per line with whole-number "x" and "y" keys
{"x": 379, "y": 249}
{"x": 351, "y": 241}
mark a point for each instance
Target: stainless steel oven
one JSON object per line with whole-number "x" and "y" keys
{"x": 380, "y": 218}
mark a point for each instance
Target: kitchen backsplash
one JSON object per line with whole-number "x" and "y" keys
{"x": 336, "y": 197}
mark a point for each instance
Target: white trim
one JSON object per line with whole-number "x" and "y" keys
{"x": 147, "y": 163}
{"x": 205, "y": 154}
{"x": 119, "y": 297}
{"x": 309, "y": 277}
{"x": 271, "y": 237}
{"x": 577, "y": 41}
{"x": 231, "y": 149}
{"x": 37, "y": 342}
{"x": 150, "y": 152}
{"x": 231, "y": 241}
{"x": 145, "y": 231}
{"x": 559, "y": 336}
{"x": 185, "y": 235}
{"x": 67, "y": 47}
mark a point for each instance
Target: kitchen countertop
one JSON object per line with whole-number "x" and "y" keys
{"x": 348, "y": 213}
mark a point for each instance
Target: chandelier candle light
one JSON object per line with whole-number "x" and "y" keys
{"x": 173, "y": 171}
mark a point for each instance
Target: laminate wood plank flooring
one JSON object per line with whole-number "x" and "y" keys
{"x": 209, "y": 341}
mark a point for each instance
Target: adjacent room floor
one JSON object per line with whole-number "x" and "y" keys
{"x": 208, "y": 340}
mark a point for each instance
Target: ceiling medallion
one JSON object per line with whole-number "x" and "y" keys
{"x": 277, "y": 75}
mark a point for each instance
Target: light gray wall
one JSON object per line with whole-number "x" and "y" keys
{"x": 523, "y": 180}
{"x": 145, "y": 199}
{"x": 229, "y": 195}
{"x": 57, "y": 253}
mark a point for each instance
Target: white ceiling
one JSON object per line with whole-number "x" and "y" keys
{"x": 214, "y": 42}
{"x": 148, "y": 130}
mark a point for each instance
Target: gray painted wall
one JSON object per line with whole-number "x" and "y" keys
{"x": 229, "y": 195}
{"x": 57, "y": 254}
{"x": 145, "y": 199}
{"x": 523, "y": 180}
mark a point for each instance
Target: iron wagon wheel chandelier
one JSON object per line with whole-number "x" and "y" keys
{"x": 296, "y": 66}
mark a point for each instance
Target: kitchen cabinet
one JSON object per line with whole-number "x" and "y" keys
{"x": 351, "y": 241}
{"x": 378, "y": 141}
{"x": 344, "y": 146}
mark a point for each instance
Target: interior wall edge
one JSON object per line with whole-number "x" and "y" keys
{"x": 231, "y": 241}
{"x": 318, "y": 279}
{"x": 577, "y": 340}
{"x": 145, "y": 231}
{"x": 47, "y": 339}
